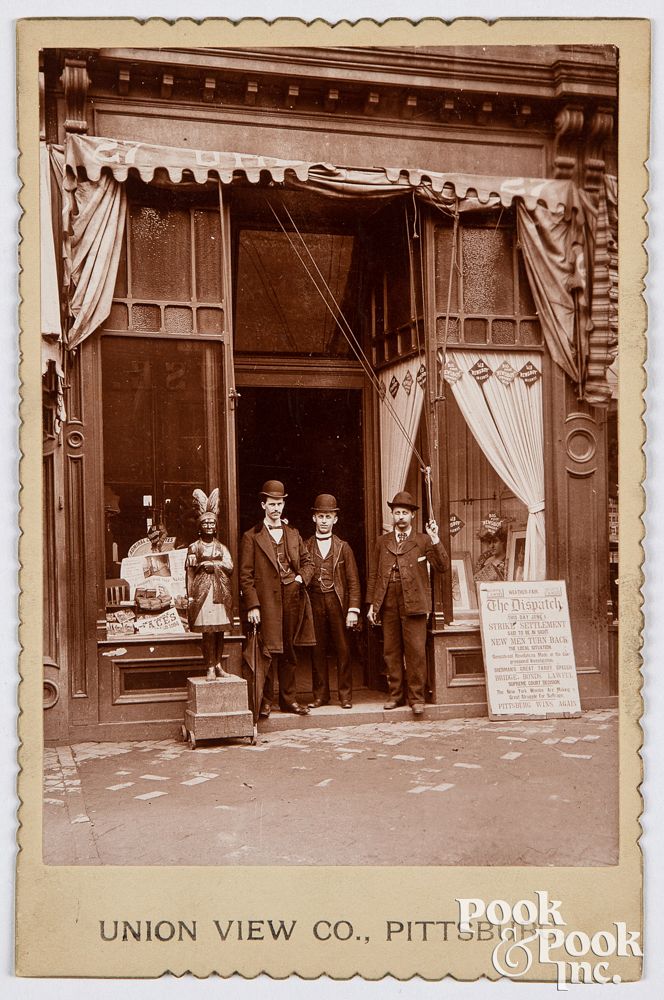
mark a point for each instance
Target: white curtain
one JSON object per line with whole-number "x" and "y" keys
{"x": 506, "y": 421}
{"x": 396, "y": 447}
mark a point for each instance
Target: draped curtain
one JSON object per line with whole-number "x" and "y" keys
{"x": 506, "y": 421}
{"x": 399, "y": 422}
{"x": 551, "y": 220}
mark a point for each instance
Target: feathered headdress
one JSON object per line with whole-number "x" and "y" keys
{"x": 204, "y": 505}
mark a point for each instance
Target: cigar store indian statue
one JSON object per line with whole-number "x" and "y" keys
{"x": 209, "y": 567}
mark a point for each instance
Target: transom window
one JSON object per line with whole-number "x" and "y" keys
{"x": 279, "y": 308}
{"x": 490, "y": 298}
{"x": 170, "y": 277}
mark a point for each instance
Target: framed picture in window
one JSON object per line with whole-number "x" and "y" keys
{"x": 516, "y": 553}
{"x": 464, "y": 598}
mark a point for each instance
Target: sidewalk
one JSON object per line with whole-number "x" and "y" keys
{"x": 455, "y": 792}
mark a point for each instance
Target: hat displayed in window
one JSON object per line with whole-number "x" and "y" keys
{"x": 403, "y": 499}
{"x": 325, "y": 503}
{"x": 273, "y": 488}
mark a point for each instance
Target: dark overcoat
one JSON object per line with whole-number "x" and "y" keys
{"x": 416, "y": 551}
{"x": 344, "y": 568}
{"x": 260, "y": 584}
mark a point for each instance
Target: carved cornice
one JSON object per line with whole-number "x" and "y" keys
{"x": 568, "y": 126}
{"x": 600, "y": 130}
{"x": 430, "y": 87}
{"x": 75, "y": 82}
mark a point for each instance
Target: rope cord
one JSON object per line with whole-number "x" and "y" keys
{"x": 343, "y": 326}
{"x": 413, "y": 296}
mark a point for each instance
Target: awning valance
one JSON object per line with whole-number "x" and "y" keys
{"x": 90, "y": 155}
{"x": 556, "y": 227}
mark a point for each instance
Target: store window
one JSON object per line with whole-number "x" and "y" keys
{"x": 490, "y": 375}
{"x": 162, "y": 433}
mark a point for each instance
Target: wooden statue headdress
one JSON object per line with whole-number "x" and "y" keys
{"x": 204, "y": 505}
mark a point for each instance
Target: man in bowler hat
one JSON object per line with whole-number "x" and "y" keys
{"x": 275, "y": 568}
{"x": 335, "y": 601}
{"x": 399, "y": 592}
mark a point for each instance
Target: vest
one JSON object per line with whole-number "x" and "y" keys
{"x": 286, "y": 573}
{"x": 323, "y": 580}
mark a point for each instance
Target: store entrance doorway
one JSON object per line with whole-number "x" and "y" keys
{"x": 311, "y": 439}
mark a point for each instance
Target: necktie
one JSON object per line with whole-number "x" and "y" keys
{"x": 401, "y": 536}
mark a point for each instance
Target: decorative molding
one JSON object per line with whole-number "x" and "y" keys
{"x": 409, "y": 106}
{"x": 75, "y": 82}
{"x": 292, "y": 94}
{"x": 600, "y": 129}
{"x": 523, "y": 114}
{"x": 568, "y": 125}
{"x": 251, "y": 92}
{"x": 209, "y": 89}
{"x": 124, "y": 79}
{"x": 448, "y": 108}
{"x": 166, "y": 86}
{"x": 484, "y": 112}
{"x": 331, "y": 101}
{"x": 371, "y": 102}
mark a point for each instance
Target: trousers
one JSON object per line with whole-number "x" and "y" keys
{"x": 404, "y": 648}
{"x": 330, "y": 628}
{"x": 285, "y": 663}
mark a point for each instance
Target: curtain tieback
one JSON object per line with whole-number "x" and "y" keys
{"x": 535, "y": 508}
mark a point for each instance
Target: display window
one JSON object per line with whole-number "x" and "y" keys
{"x": 488, "y": 337}
{"x": 161, "y": 432}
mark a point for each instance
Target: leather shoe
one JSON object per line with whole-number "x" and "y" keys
{"x": 296, "y": 709}
{"x": 265, "y": 710}
{"x": 318, "y": 703}
{"x": 346, "y": 704}
{"x": 392, "y": 703}
{"x": 418, "y": 709}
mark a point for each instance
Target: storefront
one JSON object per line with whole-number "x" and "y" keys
{"x": 217, "y": 318}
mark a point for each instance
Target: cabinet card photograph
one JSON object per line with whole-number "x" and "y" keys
{"x": 325, "y": 330}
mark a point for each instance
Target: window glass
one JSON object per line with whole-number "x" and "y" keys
{"x": 160, "y": 247}
{"x": 159, "y": 433}
{"x": 488, "y": 281}
{"x": 490, "y": 301}
{"x": 476, "y": 492}
{"x": 278, "y": 307}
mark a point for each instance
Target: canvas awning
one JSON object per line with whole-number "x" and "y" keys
{"x": 556, "y": 222}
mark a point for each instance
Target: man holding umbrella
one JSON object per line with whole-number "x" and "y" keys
{"x": 275, "y": 568}
{"x": 399, "y": 591}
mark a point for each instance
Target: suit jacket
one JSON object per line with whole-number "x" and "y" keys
{"x": 416, "y": 551}
{"x": 261, "y": 584}
{"x": 344, "y": 568}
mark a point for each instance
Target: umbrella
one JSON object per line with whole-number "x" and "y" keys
{"x": 256, "y": 661}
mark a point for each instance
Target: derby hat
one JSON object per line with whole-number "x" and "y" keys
{"x": 273, "y": 488}
{"x": 403, "y": 499}
{"x": 325, "y": 502}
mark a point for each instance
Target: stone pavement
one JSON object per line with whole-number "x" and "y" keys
{"x": 455, "y": 792}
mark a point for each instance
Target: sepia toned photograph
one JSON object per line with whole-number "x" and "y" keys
{"x": 329, "y": 333}
{"x": 331, "y": 504}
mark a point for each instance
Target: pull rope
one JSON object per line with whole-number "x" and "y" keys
{"x": 343, "y": 324}
{"x": 413, "y": 297}
{"x": 455, "y": 232}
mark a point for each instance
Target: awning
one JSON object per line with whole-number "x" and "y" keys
{"x": 555, "y": 223}
{"x": 90, "y": 155}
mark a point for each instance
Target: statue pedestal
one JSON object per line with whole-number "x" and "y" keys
{"x": 217, "y": 710}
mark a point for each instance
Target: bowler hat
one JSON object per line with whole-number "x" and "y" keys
{"x": 273, "y": 488}
{"x": 403, "y": 499}
{"x": 325, "y": 502}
